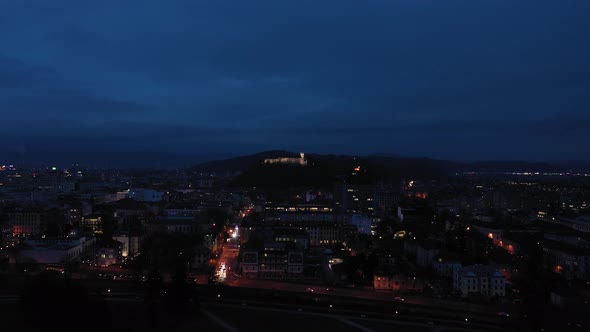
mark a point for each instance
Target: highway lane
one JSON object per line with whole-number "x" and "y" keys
{"x": 423, "y": 319}
{"x": 229, "y": 257}
{"x": 365, "y": 294}
{"x": 314, "y": 301}
{"x": 117, "y": 291}
{"x": 254, "y": 318}
{"x": 132, "y": 311}
{"x": 124, "y": 314}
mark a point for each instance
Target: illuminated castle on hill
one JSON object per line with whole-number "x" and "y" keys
{"x": 287, "y": 160}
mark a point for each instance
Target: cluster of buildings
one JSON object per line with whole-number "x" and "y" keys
{"x": 487, "y": 280}
{"x": 100, "y": 223}
{"x": 565, "y": 243}
{"x": 466, "y": 238}
{"x": 54, "y": 250}
{"x": 285, "y": 242}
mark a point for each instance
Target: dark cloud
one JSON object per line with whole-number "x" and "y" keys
{"x": 457, "y": 79}
{"x": 28, "y": 90}
{"x": 15, "y": 74}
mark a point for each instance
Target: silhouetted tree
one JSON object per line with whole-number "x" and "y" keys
{"x": 109, "y": 226}
{"x": 56, "y": 221}
{"x": 51, "y": 303}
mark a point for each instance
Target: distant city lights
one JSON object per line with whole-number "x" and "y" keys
{"x": 527, "y": 173}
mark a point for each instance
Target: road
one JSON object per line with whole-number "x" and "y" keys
{"x": 228, "y": 261}
{"x": 311, "y": 303}
{"x": 366, "y": 294}
{"x": 227, "y": 264}
{"x": 252, "y": 318}
{"x": 131, "y": 313}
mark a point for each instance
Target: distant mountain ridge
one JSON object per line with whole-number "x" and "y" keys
{"x": 211, "y": 162}
{"x": 241, "y": 163}
{"x": 513, "y": 166}
{"x": 401, "y": 164}
{"x": 577, "y": 165}
{"x": 105, "y": 159}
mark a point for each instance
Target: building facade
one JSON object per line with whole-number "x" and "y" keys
{"x": 92, "y": 224}
{"x": 479, "y": 279}
{"x": 566, "y": 259}
{"x": 446, "y": 268}
{"x": 109, "y": 254}
{"x": 275, "y": 261}
{"x": 27, "y": 223}
{"x": 146, "y": 195}
{"x": 55, "y": 250}
{"x": 288, "y": 160}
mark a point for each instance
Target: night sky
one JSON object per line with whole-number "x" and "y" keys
{"x": 452, "y": 79}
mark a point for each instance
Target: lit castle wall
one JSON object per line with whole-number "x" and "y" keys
{"x": 286, "y": 160}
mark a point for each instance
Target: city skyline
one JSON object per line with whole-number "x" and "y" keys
{"x": 295, "y": 165}
{"x": 448, "y": 80}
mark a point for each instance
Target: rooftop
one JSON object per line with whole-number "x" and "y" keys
{"x": 60, "y": 243}
{"x": 129, "y": 204}
{"x": 480, "y": 270}
{"x": 565, "y": 248}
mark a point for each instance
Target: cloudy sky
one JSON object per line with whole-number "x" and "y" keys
{"x": 453, "y": 79}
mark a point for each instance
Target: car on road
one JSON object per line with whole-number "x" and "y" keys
{"x": 399, "y": 299}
